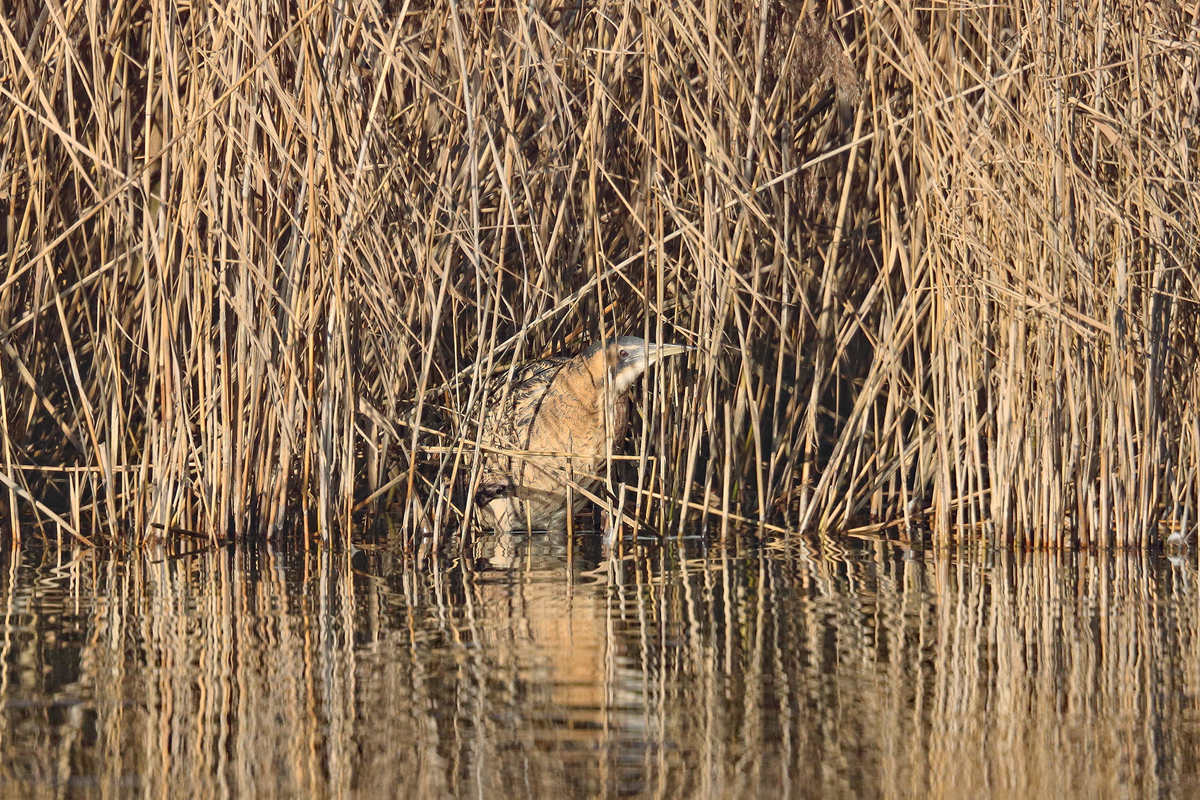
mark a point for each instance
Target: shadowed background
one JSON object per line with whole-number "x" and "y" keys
{"x": 935, "y": 260}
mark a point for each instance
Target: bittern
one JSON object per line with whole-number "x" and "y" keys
{"x": 557, "y": 424}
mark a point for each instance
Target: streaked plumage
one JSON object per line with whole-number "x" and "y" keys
{"x": 574, "y": 411}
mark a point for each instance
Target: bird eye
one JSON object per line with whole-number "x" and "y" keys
{"x": 624, "y": 354}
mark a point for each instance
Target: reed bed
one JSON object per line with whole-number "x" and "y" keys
{"x": 938, "y": 259}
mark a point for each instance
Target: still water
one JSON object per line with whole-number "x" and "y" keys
{"x": 537, "y": 666}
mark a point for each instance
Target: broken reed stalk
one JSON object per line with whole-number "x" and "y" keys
{"x": 933, "y": 259}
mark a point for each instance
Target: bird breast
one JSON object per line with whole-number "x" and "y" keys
{"x": 574, "y": 417}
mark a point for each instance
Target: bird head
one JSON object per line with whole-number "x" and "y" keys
{"x": 627, "y": 357}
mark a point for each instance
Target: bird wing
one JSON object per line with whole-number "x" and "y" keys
{"x": 540, "y": 371}
{"x": 509, "y": 420}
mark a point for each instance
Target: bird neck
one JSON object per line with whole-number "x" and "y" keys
{"x": 621, "y": 381}
{"x": 603, "y": 375}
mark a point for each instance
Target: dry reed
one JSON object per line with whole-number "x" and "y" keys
{"x": 938, "y": 259}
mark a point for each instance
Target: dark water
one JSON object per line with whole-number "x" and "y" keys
{"x": 539, "y": 667}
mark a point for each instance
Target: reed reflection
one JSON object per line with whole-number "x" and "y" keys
{"x": 538, "y": 666}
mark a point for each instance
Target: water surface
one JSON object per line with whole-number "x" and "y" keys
{"x": 538, "y": 666}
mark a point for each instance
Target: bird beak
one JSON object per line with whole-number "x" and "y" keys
{"x": 656, "y": 354}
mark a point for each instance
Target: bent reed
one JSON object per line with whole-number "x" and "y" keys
{"x": 939, "y": 262}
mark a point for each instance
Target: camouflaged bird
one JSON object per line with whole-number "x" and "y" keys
{"x": 568, "y": 414}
